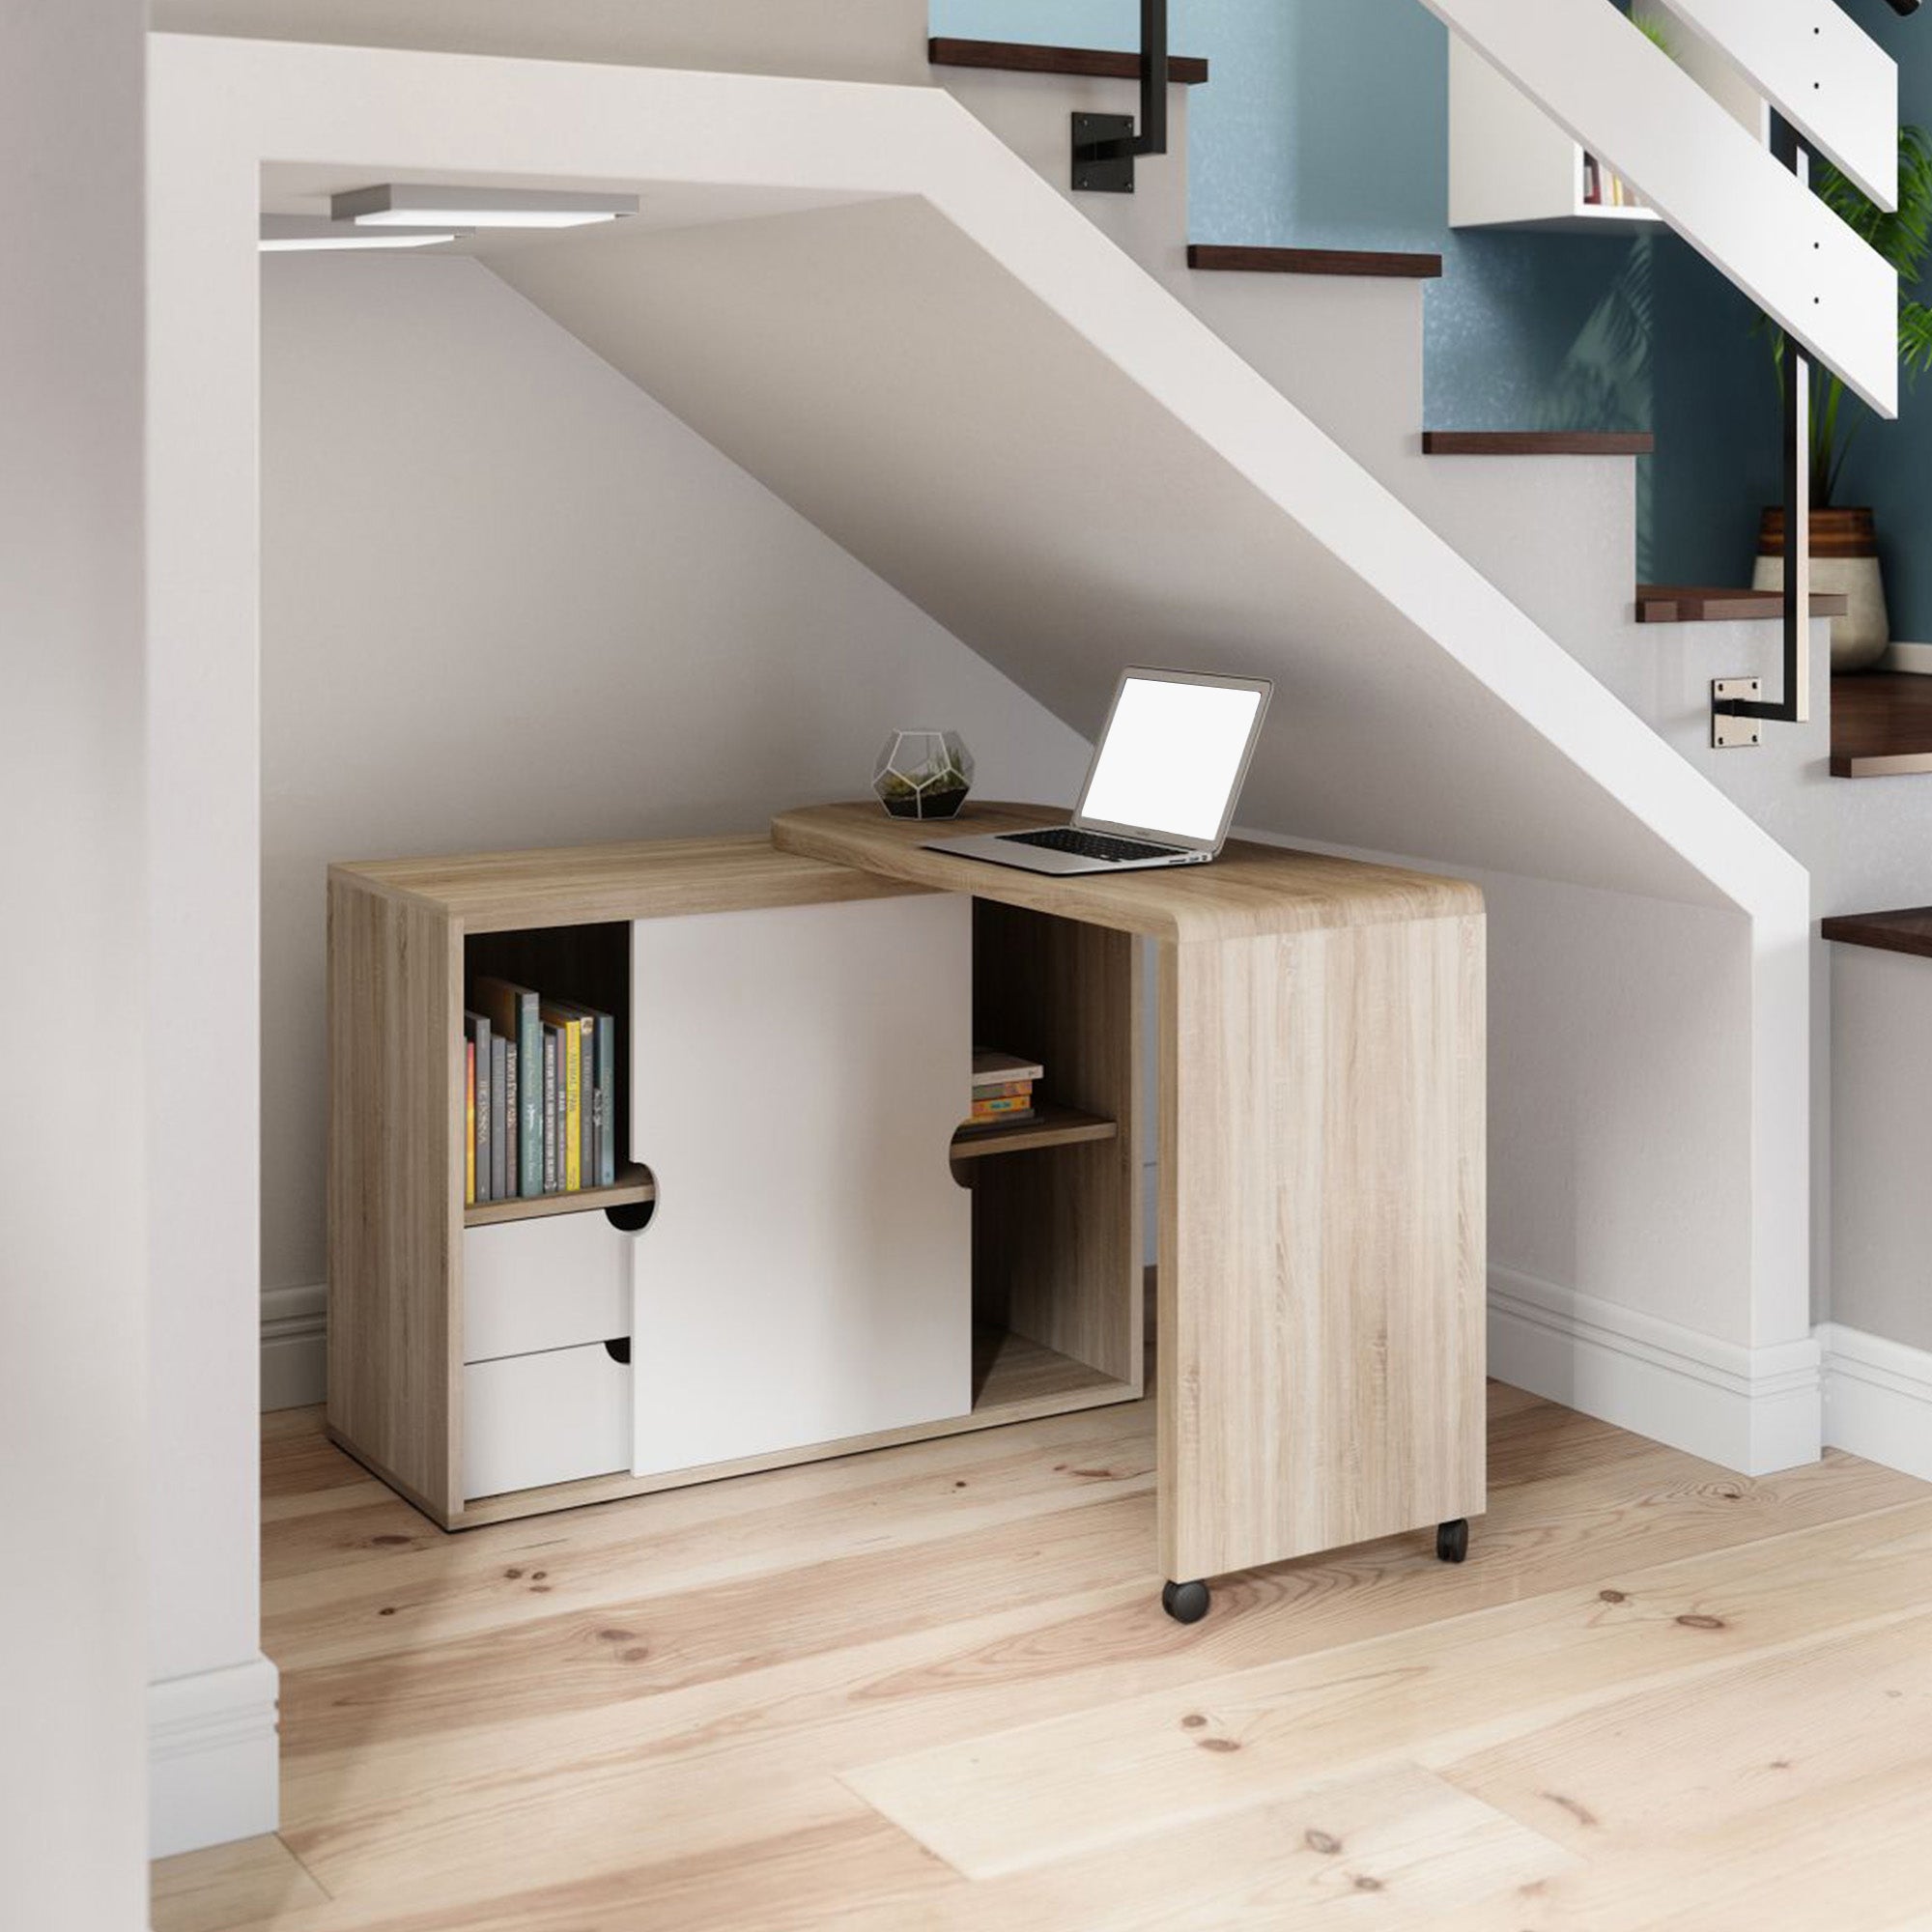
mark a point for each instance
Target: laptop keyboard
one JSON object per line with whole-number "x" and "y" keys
{"x": 1089, "y": 845}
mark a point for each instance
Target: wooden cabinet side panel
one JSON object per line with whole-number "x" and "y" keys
{"x": 1056, "y": 1234}
{"x": 1323, "y": 1256}
{"x": 395, "y": 1207}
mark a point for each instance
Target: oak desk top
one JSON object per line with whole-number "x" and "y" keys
{"x": 823, "y": 853}
{"x": 590, "y": 885}
{"x": 1247, "y": 891}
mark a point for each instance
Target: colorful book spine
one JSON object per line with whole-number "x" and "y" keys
{"x": 549, "y": 1182}
{"x": 606, "y": 1100}
{"x": 469, "y": 1123}
{"x": 513, "y": 1012}
{"x": 569, "y": 1023}
{"x": 500, "y": 1118}
{"x": 1003, "y": 1089}
{"x": 586, "y": 1120}
{"x": 995, "y": 1110}
{"x": 572, "y": 1111}
{"x": 477, "y": 1027}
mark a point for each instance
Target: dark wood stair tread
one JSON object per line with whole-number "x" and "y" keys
{"x": 1881, "y": 725}
{"x": 1313, "y": 261}
{"x": 1536, "y": 443}
{"x": 1909, "y": 931}
{"x": 1090, "y": 62}
{"x": 1702, "y": 604}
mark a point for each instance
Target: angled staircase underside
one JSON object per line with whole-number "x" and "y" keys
{"x": 963, "y": 385}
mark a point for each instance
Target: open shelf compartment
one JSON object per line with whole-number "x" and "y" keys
{"x": 586, "y": 966}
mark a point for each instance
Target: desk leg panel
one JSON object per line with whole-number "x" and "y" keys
{"x": 1321, "y": 1240}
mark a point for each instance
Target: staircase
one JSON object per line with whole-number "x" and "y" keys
{"x": 1076, "y": 455}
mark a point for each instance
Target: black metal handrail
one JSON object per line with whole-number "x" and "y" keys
{"x": 1105, "y": 145}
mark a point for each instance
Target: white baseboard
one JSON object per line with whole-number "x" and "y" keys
{"x": 294, "y": 1353}
{"x": 1878, "y": 1399}
{"x": 212, "y": 1768}
{"x": 1755, "y": 1410}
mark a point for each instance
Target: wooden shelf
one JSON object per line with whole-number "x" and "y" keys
{"x": 1087, "y": 63}
{"x": 634, "y": 1183}
{"x": 1881, "y": 725}
{"x": 1536, "y": 443}
{"x": 1700, "y": 604}
{"x": 1382, "y": 263}
{"x": 1908, "y": 931}
{"x": 1050, "y": 1126}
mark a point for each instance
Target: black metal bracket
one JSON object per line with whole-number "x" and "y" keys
{"x": 1103, "y": 154}
{"x": 1105, "y": 146}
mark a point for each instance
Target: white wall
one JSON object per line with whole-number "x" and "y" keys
{"x": 1882, "y": 1192}
{"x": 72, "y": 1186}
{"x": 508, "y": 599}
{"x": 840, "y": 39}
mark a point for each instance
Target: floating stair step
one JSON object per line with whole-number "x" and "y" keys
{"x": 1536, "y": 443}
{"x": 1090, "y": 62}
{"x": 1881, "y": 725}
{"x": 1906, "y": 931}
{"x": 1699, "y": 604}
{"x": 1313, "y": 262}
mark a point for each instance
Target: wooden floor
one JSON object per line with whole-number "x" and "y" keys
{"x": 933, "y": 1688}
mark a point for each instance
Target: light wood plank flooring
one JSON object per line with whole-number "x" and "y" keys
{"x": 932, "y": 1687}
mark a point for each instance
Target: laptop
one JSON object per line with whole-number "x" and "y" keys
{"x": 1162, "y": 787}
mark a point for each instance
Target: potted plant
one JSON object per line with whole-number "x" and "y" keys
{"x": 1844, "y": 541}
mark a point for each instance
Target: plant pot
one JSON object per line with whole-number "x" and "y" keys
{"x": 1844, "y": 558}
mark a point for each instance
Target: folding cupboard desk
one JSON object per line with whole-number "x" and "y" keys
{"x": 800, "y": 1257}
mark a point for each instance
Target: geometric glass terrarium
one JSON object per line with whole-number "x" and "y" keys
{"x": 922, "y": 774}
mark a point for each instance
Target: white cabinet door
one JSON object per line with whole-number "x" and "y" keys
{"x": 796, "y": 1077}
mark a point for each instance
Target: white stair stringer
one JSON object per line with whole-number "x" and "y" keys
{"x": 1626, "y": 100}
{"x": 950, "y": 371}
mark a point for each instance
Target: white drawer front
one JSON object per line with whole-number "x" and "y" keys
{"x": 796, "y": 1078}
{"x": 533, "y": 1419}
{"x": 549, "y": 1283}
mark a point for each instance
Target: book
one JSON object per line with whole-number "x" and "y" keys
{"x": 469, "y": 1123}
{"x": 1003, "y": 1089}
{"x": 549, "y": 1039}
{"x": 993, "y": 1110}
{"x": 606, "y": 1100}
{"x": 478, "y": 1029}
{"x": 990, "y": 1066}
{"x": 979, "y": 1123}
{"x": 569, "y": 1024}
{"x": 513, "y": 1153}
{"x": 500, "y": 1117}
{"x": 513, "y": 1012}
{"x": 595, "y": 1100}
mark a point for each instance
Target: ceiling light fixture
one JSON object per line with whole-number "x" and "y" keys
{"x": 417, "y": 205}
{"x": 296, "y": 233}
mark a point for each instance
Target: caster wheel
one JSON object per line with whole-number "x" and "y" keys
{"x": 1185, "y": 1603}
{"x": 1452, "y": 1541}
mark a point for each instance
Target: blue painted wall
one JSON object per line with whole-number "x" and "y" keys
{"x": 1324, "y": 121}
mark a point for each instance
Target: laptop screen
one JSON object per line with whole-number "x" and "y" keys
{"x": 1172, "y": 757}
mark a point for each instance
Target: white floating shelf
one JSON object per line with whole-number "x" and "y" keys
{"x": 1511, "y": 166}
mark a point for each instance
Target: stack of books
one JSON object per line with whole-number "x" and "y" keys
{"x": 541, "y": 1108}
{"x": 1604, "y": 188}
{"x": 1003, "y": 1086}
